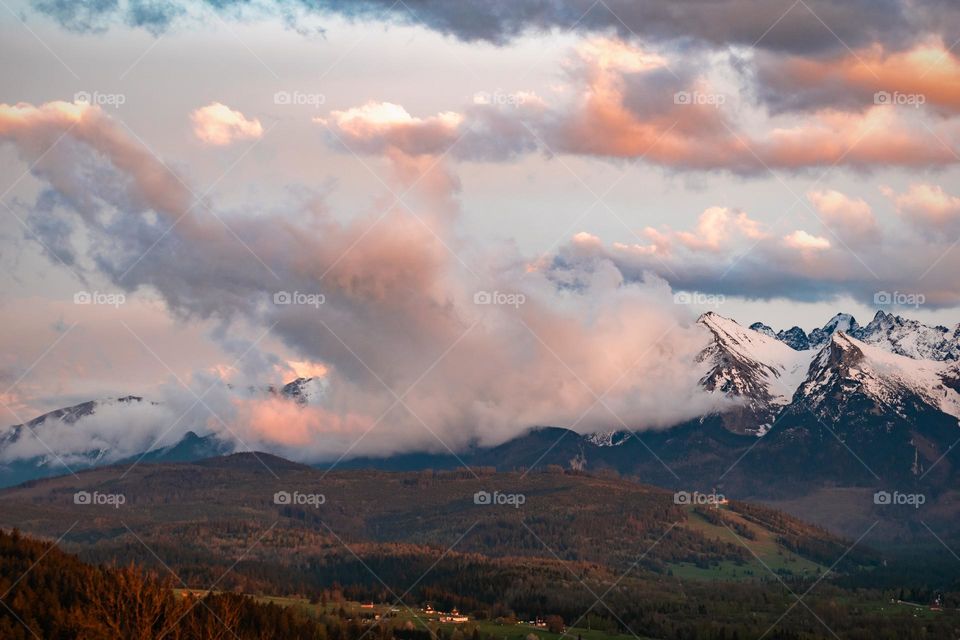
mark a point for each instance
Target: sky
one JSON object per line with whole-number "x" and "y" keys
{"x": 486, "y": 214}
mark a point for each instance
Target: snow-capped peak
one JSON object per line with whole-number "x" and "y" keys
{"x": 848, "y": 367}
{"x": 764, "y": 329}
{"x": 887, "y": 331}
{"x": 910, "y": 338}
{"x": 759, "y": 370}
{"x": 841, "y": 322}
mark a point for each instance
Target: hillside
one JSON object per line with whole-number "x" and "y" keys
{"x": 217, "y": 504}
{"x": 403, "y": 539}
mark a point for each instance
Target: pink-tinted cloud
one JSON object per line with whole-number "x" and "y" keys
{"x": 219, "y": 125}
{"x": 927, "y": 76}
{"x": 717, "y": 225}
{"x": 400, "y": 315}
{"x": 630, "y": 103}
{"x": 803, "y": 241}
{"x": 850, "y": 218}
{"x": 928, "y": 208}
{"x": 853, "y": 255}
{"x": 376, "y": 126}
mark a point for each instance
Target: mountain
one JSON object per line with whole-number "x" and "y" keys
{"x": 15, "y": 470}
{"x": 856, "y": 412}
{"x": 848, "y": 369}
{"x": 303, "y": 391}
{"x": 191, "y": 446}
{"x": 861, "y": 408}
{"x": 865, "y": 415}
{"x": 849, "y": 414}
{"x": 841, "y": 322}
{"x": 911, "y": 338}
{"x": 890, "y": 332}
{"x": 608, "y": 438}
{"x": 67, "y": 415}
{"x": 751, "y": 367}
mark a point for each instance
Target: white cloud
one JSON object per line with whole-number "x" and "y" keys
{"x": 219, "y": 125}
{"x": 803, "y": 241}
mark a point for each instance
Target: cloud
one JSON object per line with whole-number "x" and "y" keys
{"x": 399, "y": 315}
{"x": 752, "y": 261}
{"x": 929, "y": 209}
{"x": 376, "y": 126}
{"x": 412, "y": 359}
{"x": 219, "y": 125}
{"x": 489, "y": 129}
{"x": 117, "y": 429}
{"x": 803, "y": 241}
{"x": 851, "y": 219}
{"x": 718, "y": 229}
{"x": 629, "y": 103}
{"x": 779, "y": 25}
{"x": 925, "y": 75}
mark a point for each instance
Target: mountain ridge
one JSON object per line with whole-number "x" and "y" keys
{"x": 894, "y": 333}
{"x": 849, "y": 413}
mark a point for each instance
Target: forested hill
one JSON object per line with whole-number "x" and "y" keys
{"x": 52, "y": 595}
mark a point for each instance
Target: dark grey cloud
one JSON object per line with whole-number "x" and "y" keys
{"x": 782, "y": 25}
{"x": 716, "y": 22}
{"x": 91, "y": 15}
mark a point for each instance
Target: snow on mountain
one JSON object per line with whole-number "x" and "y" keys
{"x": 764, "y": 329}
{"x": 110, "y": 429}
{"x": 607, "y": 438}
{"x": 847, "y": 368}
{"x": 911, "y": 338}
{"x": 795, "y": 337}
{"x": 758, "y": 370}
{"x": 887, "y": 331}
{"x": 68, "y": 415}
{"x": 841, "y": 322}
{"x": 305, "y": 391}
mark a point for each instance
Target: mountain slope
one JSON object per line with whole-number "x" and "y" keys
{"x": 848, "y": 367}
{"x": 864, "y": 415}
{"x": 896, "y": 334}
{"x": 16, "y": 467}
{"x": 911, "y": 338}
{"x": 757, "y": 370}
{"x": 818, "y": 410}
{"x": 582, "y": 518}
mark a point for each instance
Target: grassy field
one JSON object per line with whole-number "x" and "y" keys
{"x": 764, "y": 554}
